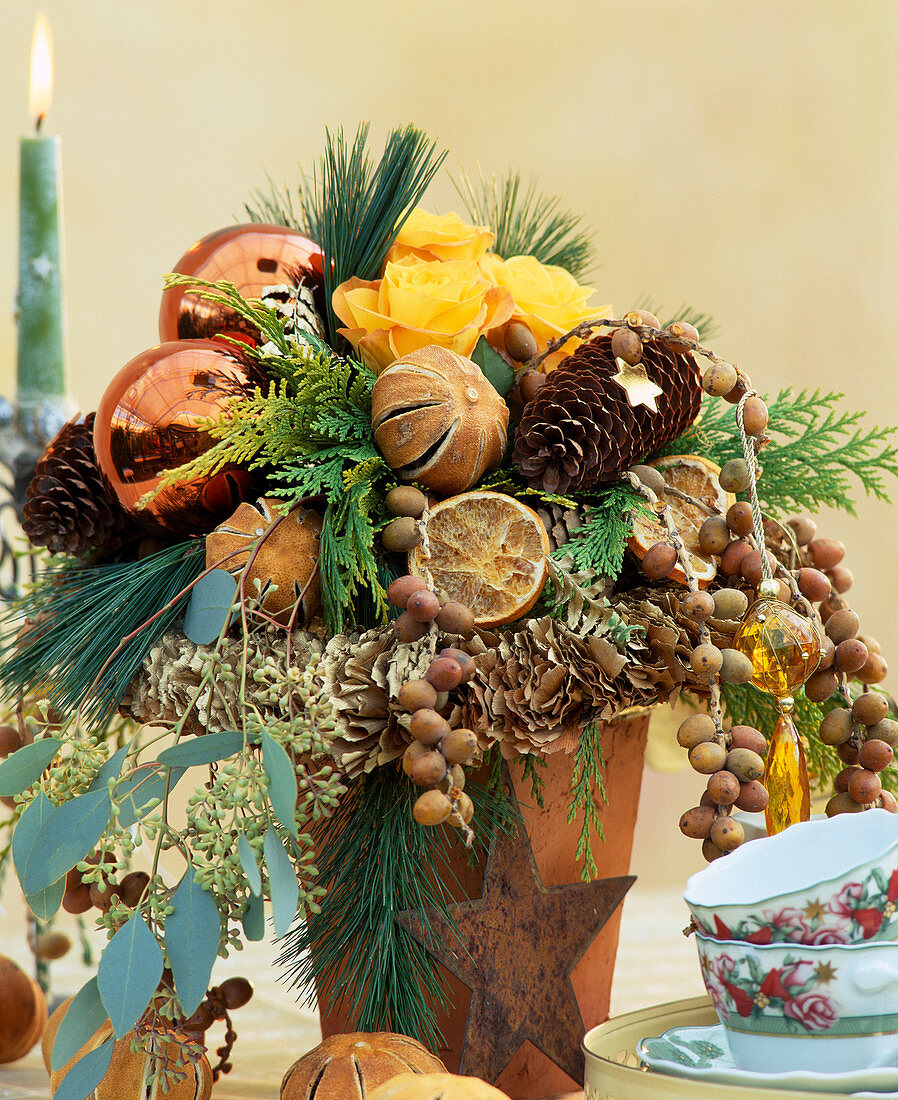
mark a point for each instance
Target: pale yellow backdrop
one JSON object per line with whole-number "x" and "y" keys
{"x": 739, "y": 157}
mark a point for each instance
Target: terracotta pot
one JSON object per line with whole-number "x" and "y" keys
{"x": 530, "y": 1074}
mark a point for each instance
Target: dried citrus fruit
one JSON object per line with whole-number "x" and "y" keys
{"x": 697, "y": 477}
{"x": 487, "y": 551}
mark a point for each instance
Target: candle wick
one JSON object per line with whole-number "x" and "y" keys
{"x": 39, "y": 122}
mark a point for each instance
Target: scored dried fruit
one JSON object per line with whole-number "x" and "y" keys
{"x": 487, "y": 551}
{"x": 287, "y": 557}
{"x": 350, "y": 1066}
{"x": 437, "y": 420}
{"x": 697, "y": 478}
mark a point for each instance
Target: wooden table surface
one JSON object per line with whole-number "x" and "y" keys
{"x": 655, "y": 964}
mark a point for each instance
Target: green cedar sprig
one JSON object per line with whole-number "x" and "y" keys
{"x": 528, "y": 223}
{"x": 814, "y": 453}
{"x": 84, "y": 612}
{"x": 311, "y": 433}
{"x": 587, "y": 782}
{"x": 599, "y": 544}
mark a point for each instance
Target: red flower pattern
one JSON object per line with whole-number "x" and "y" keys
{"x": 814, "y": 1011}
{"x": 859, "y": 907}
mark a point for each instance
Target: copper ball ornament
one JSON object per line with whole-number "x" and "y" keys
{"x": 252, "y": 257}
{"x": 154, "y": 417}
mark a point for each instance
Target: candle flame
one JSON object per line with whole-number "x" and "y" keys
{"x": 41, "y": 88}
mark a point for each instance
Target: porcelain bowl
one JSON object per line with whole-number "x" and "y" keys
{"x": 826, "y": 881}
{"x": 789, "y": 1006}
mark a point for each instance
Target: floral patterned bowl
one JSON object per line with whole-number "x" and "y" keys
{"x": 824, "y": 881}
{"x": 787, "y": 1006}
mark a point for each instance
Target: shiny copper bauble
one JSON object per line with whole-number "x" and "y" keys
{"x": 252, "y": 257}
{"x": 153, "y": 418}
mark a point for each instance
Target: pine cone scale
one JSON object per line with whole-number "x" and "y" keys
{"x": 580, "y": 430}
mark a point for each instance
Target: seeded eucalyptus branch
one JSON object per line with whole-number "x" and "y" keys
{"x": 245, "y": 838}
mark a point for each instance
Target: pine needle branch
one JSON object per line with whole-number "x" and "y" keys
{"x": 84, "y": 613}
{"x": 371, "y": 854}
{"x": 354, "y": 208}
{"x": 528, "y": 223}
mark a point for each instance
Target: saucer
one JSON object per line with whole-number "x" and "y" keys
{"x": 702, "y": 1054}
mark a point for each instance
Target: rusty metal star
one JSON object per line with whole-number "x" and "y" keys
{"x": 523, "y": 942}
{"x": 637, "y": 385}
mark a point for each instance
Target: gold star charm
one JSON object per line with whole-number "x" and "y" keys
{"x": 637, "y": 385}
{"x": 825, "y": 972}
{"x": 815, "y": 910}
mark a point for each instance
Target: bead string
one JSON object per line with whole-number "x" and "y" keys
{"x": 751, "y": 461}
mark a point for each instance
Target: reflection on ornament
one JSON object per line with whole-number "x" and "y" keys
{"x": 252, "y": 257}
{"x": 786, "y": 778}
{"x": 154, "y": 417}
{"x": 288, "y": 557}
{"x": 783, "y": 647}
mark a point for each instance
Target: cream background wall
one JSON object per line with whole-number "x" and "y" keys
{"x": 737, "y": 157}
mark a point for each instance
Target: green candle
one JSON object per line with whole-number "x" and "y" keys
{"x": 39, "y": 312}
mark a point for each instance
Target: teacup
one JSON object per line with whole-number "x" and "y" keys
{"x": 825, "y": 881}
{"x": 789, "y": 1006}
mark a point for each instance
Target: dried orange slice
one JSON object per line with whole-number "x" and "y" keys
{"x": 487, "y": 551}
{"x": 697, "y": 477}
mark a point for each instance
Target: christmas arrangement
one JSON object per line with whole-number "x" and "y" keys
{"x": 393, "y": 515}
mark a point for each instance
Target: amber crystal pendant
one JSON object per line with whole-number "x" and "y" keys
{"x": 784, "y": 649}
{"x": 786, "y": 778}
{"x": 783, "y": 646}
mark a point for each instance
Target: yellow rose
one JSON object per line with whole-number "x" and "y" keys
{"x": 440, "y": 237}
{"x": 548, "y": 299}
{"x": 417, "y": 303}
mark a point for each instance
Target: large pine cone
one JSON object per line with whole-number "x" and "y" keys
{"x": 580, "y": 430}
{"x": 68, "y": 508}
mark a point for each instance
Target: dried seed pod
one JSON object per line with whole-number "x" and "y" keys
{"x": 696, "y": 823}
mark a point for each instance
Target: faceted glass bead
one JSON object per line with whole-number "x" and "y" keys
{"x": 786, "y": 779}
{"x": 782, "y": 645}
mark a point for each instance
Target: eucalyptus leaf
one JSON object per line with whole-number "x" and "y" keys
{"x": 129, "y": 971}
{"x": 496, "y": 371}
{"x": 203, "y": 750}
{"x": 82, "y": 1018}
{"x": 66, "y": 835}
{"x": 45, "y": 903}
{"x": 112, "y": 769}
{"x": 192, "y": 935}
{"x": 27, "y": 828}
{"x": 22, "y": 767}
{"x": 84, "y": 1076}
{"x": 281, "y": 781}
{"x": 209, "y": 608}
{"x": 282, "y": 880}
{"x": 248, "y": 862}
{"x": 145, "y": 784}
{"x": 253, "y": 919}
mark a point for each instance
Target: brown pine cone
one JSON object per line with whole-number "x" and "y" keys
{"x": 580, "y": 429}
{"x": 68, "y": 508}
